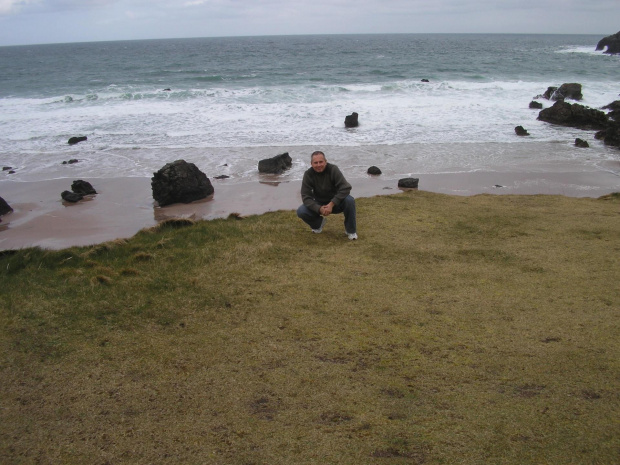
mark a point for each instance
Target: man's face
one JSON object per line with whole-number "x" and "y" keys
{"x": 319, "y": 163}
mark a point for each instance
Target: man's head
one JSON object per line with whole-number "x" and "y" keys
{"x": 318, "y": 161}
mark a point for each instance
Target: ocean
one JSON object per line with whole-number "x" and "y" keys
{"x": 225, "y": 103}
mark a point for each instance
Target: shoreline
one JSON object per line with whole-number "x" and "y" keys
{"x": 124, "y": 206}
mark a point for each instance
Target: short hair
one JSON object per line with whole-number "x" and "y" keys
{"x": 318, "y": 152}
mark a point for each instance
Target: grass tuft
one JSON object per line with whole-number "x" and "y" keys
{"x": 173, "y": 223}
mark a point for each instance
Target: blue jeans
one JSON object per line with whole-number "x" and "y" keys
{"x": 347, "y": 206}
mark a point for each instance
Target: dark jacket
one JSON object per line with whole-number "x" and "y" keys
{"x": 318, "y": 189}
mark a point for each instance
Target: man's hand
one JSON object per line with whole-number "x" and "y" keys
{"x": 326, "y": 210}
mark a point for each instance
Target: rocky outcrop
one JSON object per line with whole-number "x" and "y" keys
{"x": 521, "y": 131}
{"x": 75, "y": 140}
{"x": 351, "y": 121}
{"x": 611, "y": 43}
{"x": 4, "y": 207}
{"x": 610, "y": 135}
{"x": 83, "y": 187}
{"x": 408, "y": 183}
{"x": 570, "y": 91}
{"x": 275, "y": 165}
{"x": 574, "y": 115}
{"x": 614, "y": 110}
{"x": 536, "y": 105}
{"x": 581, "y": 143}
{"x": 374, "y": 170}
{"x": 180, "y": 182}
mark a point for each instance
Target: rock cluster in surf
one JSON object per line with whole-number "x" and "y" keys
{"x": 610, "y": 44}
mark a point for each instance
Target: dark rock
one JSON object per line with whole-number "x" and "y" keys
{"x": 70, "y": 162}
{"x": 574, "y": 115}
{"x": 82, "y": 187}
{"x": 7, "y": 168}
{"x": 610, "y": 135}
{"x": 221, "y": 176}
{"x": 612, "y": 43}
{"x": 167, "y": 90}
{"x": 75, "y": 140}
{"x": 521, "y": 131}
{"x": 425, "y": 80}
{"x": 408, "y": 183}
{"x": 12, "y": 172}
{"x": 373, "y": 170}
{"x": 614, "y": 108}
{"x": 581, "y": 143}
{"x": 549, "y": 92}
{"x": 72, "y": 197}
{"x": 4, "y": 207}
{"x": 571, "y": 91}
{"x": 351, "y": 121}
{"x": 536, "y": 105}
{"x": 275, "y": 165}
{"x": 180, "y": 182}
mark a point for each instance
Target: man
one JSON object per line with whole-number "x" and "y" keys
{"x": 324, "y": 191}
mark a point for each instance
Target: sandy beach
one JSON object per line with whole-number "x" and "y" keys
{"x": 123, "y": 206}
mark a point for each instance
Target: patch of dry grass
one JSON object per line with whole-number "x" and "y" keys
{"x": 456, "y": 330}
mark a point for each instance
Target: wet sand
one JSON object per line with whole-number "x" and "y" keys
{"x": 123, "y": 206}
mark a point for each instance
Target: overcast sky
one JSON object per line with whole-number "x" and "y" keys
{"x": 52, "y": 21}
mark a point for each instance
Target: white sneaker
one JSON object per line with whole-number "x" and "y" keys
{"x": 352, "y": 236}
{"x": 320, "y": 230}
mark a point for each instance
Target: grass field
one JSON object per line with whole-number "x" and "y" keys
{"x": 456, "y": 330}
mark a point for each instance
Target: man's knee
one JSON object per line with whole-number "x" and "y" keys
{"x": 349, "y": 202}
{"x": 304, "y": 211}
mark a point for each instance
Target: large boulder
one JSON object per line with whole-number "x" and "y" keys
{"x": 408, "y": 183}
{"x": 4, "y": 207}
{"x": 374, "y": 170}
{"x": 571, "y": 91}
{"x": 275, "y": 165}
{"x": 351, "y": 121}
{"x": 83, "y": 187}
{"x": 180, "y": 182}
{"x": 574, "y": 115}
{"x": 612, "y": 43}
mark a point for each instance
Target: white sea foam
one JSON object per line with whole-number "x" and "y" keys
{"x": 232, "y": 116}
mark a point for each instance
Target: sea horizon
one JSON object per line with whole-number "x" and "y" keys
{"x": 600, "y": 35}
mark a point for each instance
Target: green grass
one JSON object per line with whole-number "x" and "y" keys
{"x": 470, "y": 330}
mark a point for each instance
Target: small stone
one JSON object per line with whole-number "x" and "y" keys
{"x": 521, "y": 131}
{"x": 374, "y": 170}
{"x": 75, "y": 140}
